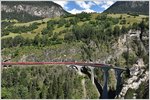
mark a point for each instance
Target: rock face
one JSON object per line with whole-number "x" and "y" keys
{"x": 43, "y": 9}
{"x": 138, "y": 75}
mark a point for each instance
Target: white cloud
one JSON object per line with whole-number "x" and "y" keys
{"x": 82, "y": 4}
{"x": 62, "y": 3}
{"x": 76, "y": 11}
{"x": 107, "y": 4}
{"x": 85, "y": 5}
{"x": 97, "y": 2}
{"x": 104, "y": 3}
{"x": 110, "y": 2}
{"x": 88, "y": 10}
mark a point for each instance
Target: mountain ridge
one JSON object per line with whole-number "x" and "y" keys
{"x": 136, "y": 7}
{"x": 37, "y": 10}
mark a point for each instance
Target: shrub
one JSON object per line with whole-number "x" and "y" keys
{"x": 69, "y": 37}
{"x": 123, "y": 21}
{"x": 115, "y": 20}
{"x": 124, "y": 29}
{"x": 116, "y": 31}
{"x": 102, "y": 17}
{"x": 133, "y": 14}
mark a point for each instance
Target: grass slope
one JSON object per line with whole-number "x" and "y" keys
{"x": 129, "y": 21}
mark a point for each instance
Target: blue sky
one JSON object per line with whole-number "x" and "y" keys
{"x": 86, "y": 6}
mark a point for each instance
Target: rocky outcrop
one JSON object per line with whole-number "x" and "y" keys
{"x": 44, "y": 9}
{"x": 138, "y": 75}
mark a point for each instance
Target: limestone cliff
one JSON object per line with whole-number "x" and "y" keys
{"x": 38, "y": 9}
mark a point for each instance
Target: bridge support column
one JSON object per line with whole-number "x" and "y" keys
{"x": 92, "y": 74}
{"x": 106, "y": 75}
{"x": 118, "y": 78}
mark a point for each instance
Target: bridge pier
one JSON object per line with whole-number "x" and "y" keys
{"x": 118, "y": 73}
{"x": 92, "y": 74}
{"x": 106, "y": 75}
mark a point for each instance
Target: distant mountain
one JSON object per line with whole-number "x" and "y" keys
{"x": 138, "y": 7}
{"x": 30, "y": 10}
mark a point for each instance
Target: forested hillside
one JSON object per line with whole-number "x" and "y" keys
{"x": 131, "y": 7}
{"x": 89, "y": 32}
{"x": 41, "y": 82}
